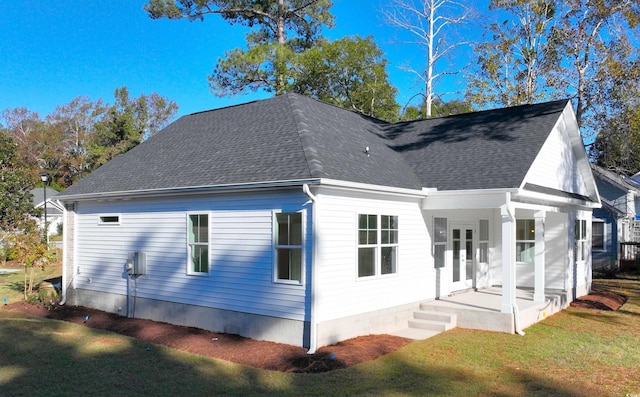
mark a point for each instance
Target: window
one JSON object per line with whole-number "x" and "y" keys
{"x": 377, "y": 245}
{"x": 288, "y": 247}
{"x": 483, "y": 241}
{"x": 580, "y": 252}
{"x": 389, "y": 247}
{"x": 439, "y": 241}
{"x": 525, "y": 240}
{"x": 198, "y": 243}
{"x": 109, "y": 220}
{"x": 597, "y": 235}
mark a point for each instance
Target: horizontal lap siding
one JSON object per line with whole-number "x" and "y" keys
{"x": 340, "y": 293}
{"x": 241, "y": 252}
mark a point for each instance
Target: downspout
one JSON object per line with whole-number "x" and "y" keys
{"x": 64, "y": 256}
{"x": 313, "y": 339}
{"x": 514, "y": 304}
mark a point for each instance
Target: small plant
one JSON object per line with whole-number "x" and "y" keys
{"x": 32, "y": 252}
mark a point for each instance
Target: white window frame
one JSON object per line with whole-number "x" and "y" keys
{"x": 189, "y": 244}
{"x": 103, "y": 219}
{"x": 581, "y": 237}
{"x": 440, "y": 241}
{"x": 604, "y": 235}
{"x": 301, "y": 247}
{"x": 377, "y": 246}
{"x": 532, "y": 223}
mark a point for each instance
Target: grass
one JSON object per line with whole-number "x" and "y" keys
{"x": 12, "y": 284}
{"x": 576, "y": 352}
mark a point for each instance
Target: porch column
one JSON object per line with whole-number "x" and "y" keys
{"x": 538, "y": 291}
{"x": 508, "y": 257}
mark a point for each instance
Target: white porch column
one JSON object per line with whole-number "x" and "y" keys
{"x": 538, "y": 292}
{"x": 508, "y": 256}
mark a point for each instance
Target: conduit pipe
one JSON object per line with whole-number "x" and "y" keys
{"x": 313, "y": 337}
{"x": 514, "y": 305}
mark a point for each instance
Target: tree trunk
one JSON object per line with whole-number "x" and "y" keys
{"x": 280, "y": 61}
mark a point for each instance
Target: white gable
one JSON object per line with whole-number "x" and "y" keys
{"x": 562, "y": 163}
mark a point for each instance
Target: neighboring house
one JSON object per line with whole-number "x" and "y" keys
{"x": 54, "y": 209}
{"x": 295, "y": 221}
{"x": 616, "y": 222}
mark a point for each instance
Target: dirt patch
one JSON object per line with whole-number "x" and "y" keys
{"x": 259, "y": 354}
{"x": 600, "y": 300}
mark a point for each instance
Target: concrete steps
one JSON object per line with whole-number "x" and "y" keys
{"x": 433, "y": 321}
{"x": 427, "y": 323}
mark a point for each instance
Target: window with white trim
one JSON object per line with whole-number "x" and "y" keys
{"x": 288, "y": 247}
{"x": 377, "y": 245}
{"x": 525, "y": 240}
{"x": 439, "y": 241}
{"x": 198, "y": 243}
{"x": 580, "y": 251}
{"x": 597, "y": 235}
{"x": 483, "y": 241}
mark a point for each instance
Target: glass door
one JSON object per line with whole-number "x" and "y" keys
{"x": 463, "y": 251}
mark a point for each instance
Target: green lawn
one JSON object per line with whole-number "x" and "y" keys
{"x": 577, "y": 352}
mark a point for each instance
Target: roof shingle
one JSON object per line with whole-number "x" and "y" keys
{"x": 292, "y": 137}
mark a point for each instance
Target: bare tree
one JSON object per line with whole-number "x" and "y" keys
{"x": 428, "y": 22}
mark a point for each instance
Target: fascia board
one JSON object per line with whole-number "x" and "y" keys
{"x": 229, "y": 188}
{"x": 356, "y": 186}
{"x": 466, "y": 199}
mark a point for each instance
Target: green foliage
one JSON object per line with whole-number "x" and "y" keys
{"x": 350, "y": 73}
{"x": 280, "y": 28}
{"x": 439, "y": 108}
{"x": 127, "y": 123}
{"x": 617, "y": 146}
{"x": 515, "y": 57}
{"x": 32, "y": 252}
{"x": 16, "y": 207}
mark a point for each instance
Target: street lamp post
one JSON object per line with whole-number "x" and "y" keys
{"x": 44, "y": 178}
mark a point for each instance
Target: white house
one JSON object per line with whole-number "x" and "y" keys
{"x": 295, "y": 221}
{"x": 54, "y": 209}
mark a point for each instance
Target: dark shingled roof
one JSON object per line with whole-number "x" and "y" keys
{"x": 492, "y": 149}
{"x": 292, "y": 137}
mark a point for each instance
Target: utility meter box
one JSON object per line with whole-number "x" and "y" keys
{"x": 138, "y": 265}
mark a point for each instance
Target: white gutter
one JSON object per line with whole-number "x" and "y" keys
{"x": 313, "y": 332}
{"x": 130, "y": 194}
{"x": 514, "y": 304}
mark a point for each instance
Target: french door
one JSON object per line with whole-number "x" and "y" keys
{"x": 463, "y": 256}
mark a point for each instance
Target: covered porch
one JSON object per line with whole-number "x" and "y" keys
{"x": 482, "y": 309}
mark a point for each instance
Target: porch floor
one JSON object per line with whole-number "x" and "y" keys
{"x": 481, "y": 309}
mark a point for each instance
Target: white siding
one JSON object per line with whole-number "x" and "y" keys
{"x": 241, "y": 251}
{"x": 556, "y": 244}
{"x": 340, "y": 293}
{"x": 555, "y": 165}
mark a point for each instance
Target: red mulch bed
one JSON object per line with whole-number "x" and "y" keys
{"x": 259, "y": 354}
{"x": 600, "y": 300}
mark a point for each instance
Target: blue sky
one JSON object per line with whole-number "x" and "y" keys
{"x": 55, "y": 50}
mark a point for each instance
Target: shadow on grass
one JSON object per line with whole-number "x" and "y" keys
{"x": 48, "y": 357}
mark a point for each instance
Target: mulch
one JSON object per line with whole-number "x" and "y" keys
{"x": 234, "y": 348}
{"x": 600, "y": 300}
{"x": 258, "y": 354}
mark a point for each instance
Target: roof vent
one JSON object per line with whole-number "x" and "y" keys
{"x": 366, "y": 151}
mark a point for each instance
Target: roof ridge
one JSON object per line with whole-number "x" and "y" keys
{"x": 304, "y": 134}
{"x": 478, "y": 112}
